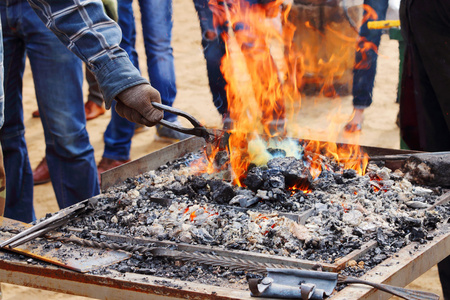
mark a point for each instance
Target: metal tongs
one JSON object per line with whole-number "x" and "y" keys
{"x": 213, "y": 136}
{"x": 57, "y": 220}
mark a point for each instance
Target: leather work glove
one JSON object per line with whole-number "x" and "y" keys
{"x": 135, "y": 105}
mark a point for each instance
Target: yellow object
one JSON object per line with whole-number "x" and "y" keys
{"x": 383, "y": 24}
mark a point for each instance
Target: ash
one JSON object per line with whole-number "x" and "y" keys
{"x": 174, "y": 203}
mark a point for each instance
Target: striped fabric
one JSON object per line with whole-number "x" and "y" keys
{"x": 85, "y": 29}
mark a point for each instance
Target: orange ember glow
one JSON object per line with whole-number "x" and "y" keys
{"x": 296, "y": 189}
{"x": 263, "y": 90}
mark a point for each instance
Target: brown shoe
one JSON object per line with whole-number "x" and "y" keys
{"x": 107, "y": 164}
{"x": 92, "y": 110}
{"x": 41, "y": 174}
{"x": 36, "y": 114}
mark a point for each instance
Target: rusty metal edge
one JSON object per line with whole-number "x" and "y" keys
{"x": 133, "y": 286}
{"x": 149, "y": 162}
{"x": 155, "y": 159}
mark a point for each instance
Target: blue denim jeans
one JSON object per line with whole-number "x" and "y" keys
{"x": 213, "y": 50}
{"x": 364, "y": 78}
{"x": 58, "y": 77}
{"x": 157, "y": 23}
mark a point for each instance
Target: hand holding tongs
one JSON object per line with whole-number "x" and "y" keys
{"x": 57, "y": 220}
{"x": 214, "y": 136}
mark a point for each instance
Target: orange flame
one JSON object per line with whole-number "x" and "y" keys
{"x": 261, "y": 90}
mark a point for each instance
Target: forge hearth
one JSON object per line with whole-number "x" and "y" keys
{"x": 341, "y": 221}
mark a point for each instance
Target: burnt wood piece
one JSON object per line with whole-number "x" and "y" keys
{"x": 428, "y": 169}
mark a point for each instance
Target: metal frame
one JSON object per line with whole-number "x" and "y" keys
{"x": 408, "y": 264}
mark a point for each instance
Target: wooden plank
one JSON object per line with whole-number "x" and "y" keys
{"x": 401, "y": 269}
{"x": 355, "y": 255}
{"x": 109, "y": 287}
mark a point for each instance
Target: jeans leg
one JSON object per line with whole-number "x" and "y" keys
{"x": 19, "y": 176}
{"x": 157, "y": 29}
{"x": 94, "y": 93}
{"x": 58, "y": 80}
{"x": 118, "y": 136}
{"x": 127, "y": 25}
{"x": 366, "y": 59}
{"x": 213, "y": 50}
{"x": 119, "y": 132}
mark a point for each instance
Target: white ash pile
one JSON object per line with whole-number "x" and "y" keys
{"x": 348, "y": 210}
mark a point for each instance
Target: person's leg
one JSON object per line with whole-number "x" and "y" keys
{"x": 119, "y": 132}
{"x": 429, "y": 26}
{"x": 213, "y": 50}
{"x": 127, "y": 25}
{"x": 366, "y": 63}
{"x": 118, "y": 136}
{"x": 94, "y": 105}
{"x": 19, "y": 177}
{"x": 58, "y": 80}
{"x": 444, "y": 276}
{"x": 157, "y": 30}
{"x": 2, "y": 166}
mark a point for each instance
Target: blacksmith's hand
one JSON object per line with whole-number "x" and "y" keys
{"x": 135, "y": 105}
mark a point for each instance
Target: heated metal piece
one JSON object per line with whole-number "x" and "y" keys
{"x": 213, "y": 136}
{"x": 305, "y": 284}
{"x": 215, "y": 260}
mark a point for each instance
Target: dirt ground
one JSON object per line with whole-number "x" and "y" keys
{"x": 379, "y": 128}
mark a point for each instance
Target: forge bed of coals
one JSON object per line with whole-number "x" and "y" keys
{"x": 343, "y": 211}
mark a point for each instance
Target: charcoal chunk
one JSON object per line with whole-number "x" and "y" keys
{"x": 221, "y": 158}
{"x": 349, "y": 173}
{"x": 198, "y": 183}
{"x": 254, "y": 179}
{"x": 178, "y": 189}
{"x": 297, "y": 174}
{"x": 273, "y": 178}
{"x": 221, "y": 192}
{"x": 280, "y": 163}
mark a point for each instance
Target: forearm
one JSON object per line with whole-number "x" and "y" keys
{"x": 86, "y": 31}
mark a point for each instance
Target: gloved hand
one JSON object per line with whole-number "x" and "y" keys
{"x": 135, "y": 105}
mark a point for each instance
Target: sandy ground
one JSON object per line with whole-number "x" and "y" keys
{"x": 194, "y": 97}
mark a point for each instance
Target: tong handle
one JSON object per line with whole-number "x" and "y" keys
{"x": 177, "y": 112}
{"x": 198, "y": 129}
{"x": 394, "y": 290}
{"x": 46, "y": 225}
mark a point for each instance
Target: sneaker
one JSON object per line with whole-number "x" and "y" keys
{"x": 165, "y": 134}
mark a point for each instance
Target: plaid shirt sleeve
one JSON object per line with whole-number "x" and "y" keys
{"x": 85, "y": 29}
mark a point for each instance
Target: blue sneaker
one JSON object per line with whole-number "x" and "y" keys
{"x": 165, "y": 134}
